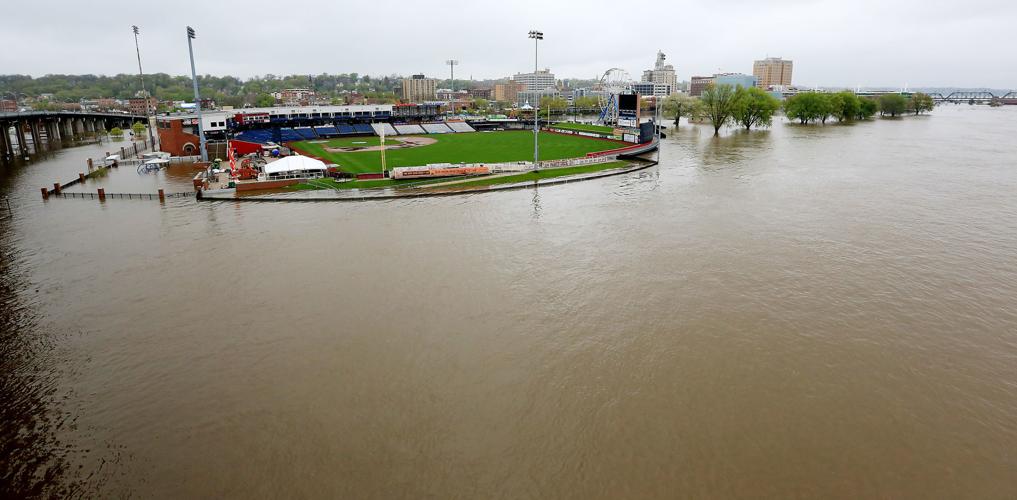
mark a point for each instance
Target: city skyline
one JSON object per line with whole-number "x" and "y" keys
{"x": 831, "y": 45}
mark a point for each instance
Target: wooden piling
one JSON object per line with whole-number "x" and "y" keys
{"x": 56, "y": 188}
{"x": 162, "y": 195}
{"x": 45, "y": 194}
{"x": 102, "y": 194}
{"x": 90, "y": 165}
{"x": 81, "y": 177}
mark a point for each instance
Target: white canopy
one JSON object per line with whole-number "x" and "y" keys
{"x": 294, "y": 164}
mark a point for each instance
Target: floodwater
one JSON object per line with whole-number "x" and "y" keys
{"x": 801, "y": 312}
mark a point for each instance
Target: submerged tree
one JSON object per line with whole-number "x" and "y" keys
{"x": 920, "y": 103}
{"x": 679, "y": 105}
{"x": 892, "y": 104}
{"x": 867, "y": 108}
{"x": 846, "y": 106}
{"x": 754, "y": 107}
{"x": 808, "y": 107}
{"x": 718, "y": 104}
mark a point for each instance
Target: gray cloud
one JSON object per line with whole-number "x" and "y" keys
{"x": 863, "y": 42}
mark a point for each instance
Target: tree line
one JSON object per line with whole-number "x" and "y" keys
{"x": 753, "y": 107}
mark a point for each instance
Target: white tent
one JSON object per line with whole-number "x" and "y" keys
{"x": 295, "y": 164}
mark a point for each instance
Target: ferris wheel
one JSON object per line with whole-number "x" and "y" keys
{"x": 613, "y": 82}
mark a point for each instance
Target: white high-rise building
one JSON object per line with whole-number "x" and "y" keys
{"x": 663, "y": 74}
{"x": 540, "y": 80}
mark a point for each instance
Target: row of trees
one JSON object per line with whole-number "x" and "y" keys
{"x": 809, "y": 107}
{"x": 753, "y": 107}
{"x": 723, "y": 104}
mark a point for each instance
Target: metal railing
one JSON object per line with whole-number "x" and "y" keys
{"x": 123, "y": 196}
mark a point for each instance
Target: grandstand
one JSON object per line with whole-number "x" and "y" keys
{"x": 410, "y": 129}
{"x": 287, "y": 134}
{"x": 256, "y": 136}
{"x": 460, "y": 127}
{"x": 436, "y": 128}
{"x": 305, "y": 132}
{"x": 326, "y": 131}
{"x": 389, "y": 129}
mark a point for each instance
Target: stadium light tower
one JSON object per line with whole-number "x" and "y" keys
{"x": 144, "y": 93}
{"x": 536, "y": 36}
{"x": 452, "y": 63}
{"x": 197, "y": 96}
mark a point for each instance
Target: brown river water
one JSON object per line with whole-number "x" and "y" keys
{"x": 801, "y": 312}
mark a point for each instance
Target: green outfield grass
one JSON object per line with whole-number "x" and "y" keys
{"x": 584, "y": 127}
{"x": 476, "y": 147}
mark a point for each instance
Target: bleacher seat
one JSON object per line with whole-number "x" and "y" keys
{"x": 345, "y": 129}
{"x": 326, "y": 131}
{"x": 409, "y": 129}
{"x": 305, "y": 132}
{"x": 389, "y": 129}
{"x": 460, "y": 126}
{"x": 363, "y": 128}
{"x": 436, "y": 128}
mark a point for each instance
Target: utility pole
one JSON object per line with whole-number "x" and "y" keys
{"x": 197, "y": 96}
{"x": 452, "y": 63}
{"x": 148, "y": 114}
{"x": 536, "y": 36}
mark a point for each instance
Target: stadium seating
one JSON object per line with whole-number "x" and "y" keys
{"x": 410, "y": 129}
{"x": 363, "y": 128}
{"x": 256, "y": 136}
{"x": 326, "y": 131}
{"x": 305, "y": 132}
{"x": 436, "y": 128}
{"x": 460, "y": 126}
{"x": 287, "y": 135}
{"x": 345, "y": 129}
{"x": 389, "y": 129}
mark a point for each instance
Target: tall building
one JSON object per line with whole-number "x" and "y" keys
{"x": 539, "y": 80}
{"x": 662, "y": 74}
{"x": 772, "y": 72}
{"x": 646, "y": 89}
{"x": 697, "y": 84}
{"x": 419, "y": 89}
{"x": 735, "y": 80}
{"x": 508, "y": 91}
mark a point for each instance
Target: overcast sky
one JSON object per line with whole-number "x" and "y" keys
{"x": 855, "y": 42}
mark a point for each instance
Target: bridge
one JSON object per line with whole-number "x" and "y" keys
{"x": 976, "y": 97}
{"x": 22, "y": 133}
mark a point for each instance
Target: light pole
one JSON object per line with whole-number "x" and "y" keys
{"x": 536, "y": 36}
{"x": 452, "y": 63}
{"x": 197, "y": 96}
{"x": 144, "y": 93}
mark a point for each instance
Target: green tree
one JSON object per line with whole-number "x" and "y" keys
{"x": 587, "y": 102}
{"x": 264, "y": 101}
{"x": 718, "y": 104}
{"x": 555, "y": 104}
{"x": 481, "y": 104}
{"x": 679, "y": 105}
{"x": 807, "y": 107}
{"x": 754, "y": 107}
{"x": 138, "y": 128}
{"x": 892, "y": 104}
{"x": 867, "y": 108}
{"x": 921, "y": 103}
{"x": 116, "y": 132}
{"x": 846, "y": 106}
